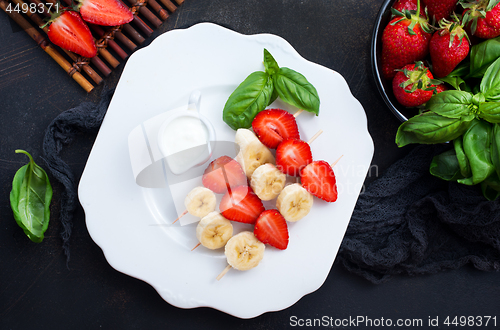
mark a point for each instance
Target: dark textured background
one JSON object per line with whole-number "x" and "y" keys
{"x": 38, "y": 291}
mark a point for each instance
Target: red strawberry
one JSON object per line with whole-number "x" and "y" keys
{"x": 273, "y": 125}
{"x": 448, "y": 48}
{"x": 413, "y": 85}
{"x": 69, "y": 31}
{"x": 404, "y": 40}
{"x": 403, "y": 5}
{"x": 241, "y": 204}
{"x": 482, "y": 18}
{"x": 271, "y": 228}
{"x": 439, "y": 9}
{"x": 292, "y": 155}
{"x": 105, "y": 12}
{"x": 318, "y": 178}
{"x": 222, "y": 174}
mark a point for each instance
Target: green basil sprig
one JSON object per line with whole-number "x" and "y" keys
{"x": 30, "y": 199}
{"x": 260, "y": 89}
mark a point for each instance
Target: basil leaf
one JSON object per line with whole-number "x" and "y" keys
{"x": 450, "y": 104}
{"x": 490, "y": 111}
{"x": 490, "y": 84}
{"x": 495, "y": 148}
{"x": 445, "y": 166}
{"x": 30, "y": 199}
{"x": 456, "y": 82}
{"x": 463, "y": 162}
{"x": 482, "y": 55}
{"x": 247, "y": 100}
{"x": 477, "y": 147}
{"x": 430, "y": 128}
{"x": 293, "y": 88}
{"x": 270, "y": 63}
{"x": 491, "y": 187}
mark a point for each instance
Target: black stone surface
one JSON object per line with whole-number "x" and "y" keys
{"x": 37, "y": 290}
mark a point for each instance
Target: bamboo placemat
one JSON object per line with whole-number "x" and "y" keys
{"x": 114, "y": 44}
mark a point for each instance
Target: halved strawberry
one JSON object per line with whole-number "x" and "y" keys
{"x": 318, "y": 178}
{"x": 292, "y": 155}
{"x": 69, "y": 31}
{"x": 271, "y": 228}
{"x": 273, "y": 126}
{"x": 222, "y": 174}
{"x": 105, "y": 12}
{"x": 241, "y": 204}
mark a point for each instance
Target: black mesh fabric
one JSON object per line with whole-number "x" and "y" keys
{"x": 406, "y": 222}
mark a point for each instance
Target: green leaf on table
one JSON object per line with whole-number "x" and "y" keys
{"x": 477, "y": 148}
{"x": 490, "y": 111}
{"x": 482, "y": 56}
{"x": 30, "y": 199}
{"x": 270, "y": 63}
{"x": 293, "y": 88}
{"x": 490, "y": 84}
{"x": 445, "y": 166}
{"x": 430, "y": 128}
{"x": 450, "y": 104}
{"x": 248, "y": 99}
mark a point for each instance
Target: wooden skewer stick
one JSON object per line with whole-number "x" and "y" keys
{"x": 180, "y": 216}
{"x": 298, "y": 113}
{"x": 335, "y": 162}
{"x": 315, "y": 136}
{"x": 221, "y": 275}
{"x": 196, "y": 246}
{"x": 45, "y": 45}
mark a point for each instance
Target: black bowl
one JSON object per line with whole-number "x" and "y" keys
{"x": 385, "y": 86}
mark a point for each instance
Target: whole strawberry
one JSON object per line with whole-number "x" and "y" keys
{"x": 482, "y": 18}
{"x": 404, "y": 40}
{"x": 448, "y": 47}
{"x": 439, "y": 9}
{"x": 403, "y": 5}
{"x": 413, "y": 85}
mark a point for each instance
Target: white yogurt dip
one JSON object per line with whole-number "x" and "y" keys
{"x": 184, "y": 133}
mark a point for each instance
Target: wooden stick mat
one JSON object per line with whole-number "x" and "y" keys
{"x": 114, "y": 44}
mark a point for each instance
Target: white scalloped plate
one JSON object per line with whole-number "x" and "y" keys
{"x": 126, "y": 220}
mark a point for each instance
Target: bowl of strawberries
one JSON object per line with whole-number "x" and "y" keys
{"x": 423, "y": 47}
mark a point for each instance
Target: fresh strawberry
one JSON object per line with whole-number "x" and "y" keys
{"x": 241, "y": 204}
{"x": 271, "y": 228}
{"x": 482, "y": 18}
{"x": 404, "y": 40}
{"x": 439, "y": 9}
{"x": 222, "y": 174}
{"x": 69, "y": 31}
{"x": 273, "y": 125}
{"x": 105, "y": 12}
{"x": 413, "y": 85}
{"x": 448, "y": 47}
{"x": 292, "y": 155}
{"x": 403, "y": 5}
{"x": 318, "y": 178}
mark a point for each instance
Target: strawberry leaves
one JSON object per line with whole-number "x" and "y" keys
{"x": 261, "y": 88}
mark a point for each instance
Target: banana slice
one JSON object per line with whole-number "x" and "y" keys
{"x": 200, "y": 201}
{"x": 267, "y": 181}
{"x": 252, "y": 152}
{"x": 244, "y": 251}
{"x": 213, "y": 231}
{"x": 294, "y": 202}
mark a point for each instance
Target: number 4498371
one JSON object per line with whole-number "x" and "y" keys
{"x": 32, "y": 8}
{"x": 464, "y": 321}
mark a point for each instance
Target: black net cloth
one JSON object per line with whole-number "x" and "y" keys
{"x": 406, "y": 222}
{"x": 409, "y": 222}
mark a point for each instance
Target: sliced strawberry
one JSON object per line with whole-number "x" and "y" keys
{"x": 222, "y": 174}
{"x": 271, "y": 228}
{"x": 105, "y": 12}
{"x": 318, "y": 178}
{"x": 241, "y": 204}
{"x": 273, "y": 126}
{"x": 292, "y": 155}
{"x": 70, "y": 32}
